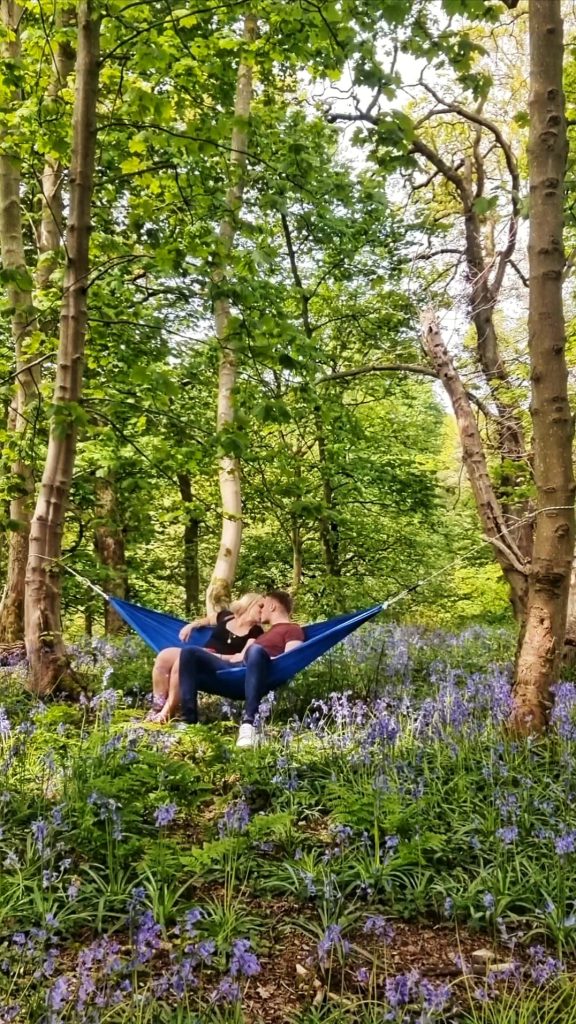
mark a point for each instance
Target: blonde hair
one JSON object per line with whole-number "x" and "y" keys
{"x": 244, "y": 603}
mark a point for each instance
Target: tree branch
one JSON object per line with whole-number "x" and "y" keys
{"x": 423, "y": 371}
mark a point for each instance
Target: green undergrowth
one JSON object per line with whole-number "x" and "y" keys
{"x": 157, "y": 874}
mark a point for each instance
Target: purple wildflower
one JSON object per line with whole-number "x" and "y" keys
{"x": 434, "y": 997}
{"x": 4, "y": 725}
{"x": 243, "y": 961}
{"x": 488, "y": 901}
{"x": 236, "y": 818}
{"x": 565, "y": 843}
{"x": 191, "y": 918}
{"x": 227, "y": 991}
{"x": 59, "y": 994}
{"x": 543, "y": 966}
{"x": 400, "y": 989}
{"x": 507, "y": 835}
{"x": 331, "y": 939}
{"x": 39, "y": 833}
{"x": 379, "y": 926}
{"x": 165, "y": 814}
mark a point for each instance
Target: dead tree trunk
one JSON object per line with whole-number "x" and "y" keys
{"x": 219, "y": 589}
{"x": 541, "y": 643}
{"x": 493, "y": 522}
{"x": 44, "y": 642}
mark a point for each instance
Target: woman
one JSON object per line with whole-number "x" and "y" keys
{"x": 233, "y": 627}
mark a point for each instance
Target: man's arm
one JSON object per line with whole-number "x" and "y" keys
{"x": 240, "y": 656}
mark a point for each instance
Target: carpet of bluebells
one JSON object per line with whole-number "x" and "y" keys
{"x": 159, "y": 875}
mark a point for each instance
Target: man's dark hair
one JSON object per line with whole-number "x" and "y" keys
{"x": 282, "y": 598}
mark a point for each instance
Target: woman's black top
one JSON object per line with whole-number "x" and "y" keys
{"x": 223, "y": 641}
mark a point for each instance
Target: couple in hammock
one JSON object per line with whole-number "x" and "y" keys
{"x": 237, "y": 637}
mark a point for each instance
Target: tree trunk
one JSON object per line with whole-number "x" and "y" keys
{"x": 51, "y": 228}
{"x": 19, "y": 295}
{"x": 570, "y": 637}
{"x": 191, "y": 548}
{"x": 24, "y": 320}
{"x": 109, "y": 545}
{"x": 219, "y": 589}
{"x": 493, "y": 522}
{"x": 329, "y": 532}
{"x": 44, "y": 642}
{"x": 541, "y": 644}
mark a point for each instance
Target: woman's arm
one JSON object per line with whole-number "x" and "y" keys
{"x": 207, "y": 620}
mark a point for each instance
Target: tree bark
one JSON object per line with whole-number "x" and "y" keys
{"x": 44, "y": 642}
{"x": 327, "y": 524}
{"x": 570, "y": 637}
{"x": 109, "y": 545}
{"x": 493, "y": 522}
{"x": 219, "y": 590}
{"x": 540, "y": 647}
{"x": 51, "y": 227}
{"x": 19, "y": 295}
{"x": 191, "y": 548}
{"x": 24, "y": 319}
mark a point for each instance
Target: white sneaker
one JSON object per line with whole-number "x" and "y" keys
{"x": 246, "y": 736}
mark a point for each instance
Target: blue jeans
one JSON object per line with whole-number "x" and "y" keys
{"x": 198, "y": 669}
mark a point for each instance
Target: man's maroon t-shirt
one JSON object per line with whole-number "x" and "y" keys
{"x": 275, "y": 640}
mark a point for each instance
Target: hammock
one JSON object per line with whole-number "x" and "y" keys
{"x": 159, "y": 631}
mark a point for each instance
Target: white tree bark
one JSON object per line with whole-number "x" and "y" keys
{"x": 19, "y": 294}
{"x": 24, "y": 319}
{"x": 44, "y": 643}
{"x": 219, "y": 589}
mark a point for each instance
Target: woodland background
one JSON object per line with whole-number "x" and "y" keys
{"x": 352, "y": 489}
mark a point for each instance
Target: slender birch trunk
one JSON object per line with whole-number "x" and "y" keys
{"x": 19, "y": 295}
{"x": 24, "y": 319}
{"x": 51, "y": 227}
{"x": 219, "y": 589}
{"x": 541, "y": 644}
{"x": 44, "y": 643}
{"x": 492, "y": 518}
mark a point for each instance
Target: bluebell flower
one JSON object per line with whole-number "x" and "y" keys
{"x": 236, "y": 818}
{"x": 40, "y": 833}
{"x": 165, "y": 814}
{"x": 243, "y": 961}
{"x": 507, "y": 835}
{"x": 227, "y": 991}
{"x": 379, "y": 926}
{"x": 400, "y": 989}
{"x": 565, "y": 843}
{"x": 191, "y": 919}
{"x": 332, "y": 939}
{"x": 59, "y": 994}
{"x": 5, "y": 728}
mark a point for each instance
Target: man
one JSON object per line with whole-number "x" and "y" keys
{"x": 198, "y": 667}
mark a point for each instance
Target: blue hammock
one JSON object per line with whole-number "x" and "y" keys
{"x": 160, "y": 631}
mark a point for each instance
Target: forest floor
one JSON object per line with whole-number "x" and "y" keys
{"x": 350, "y": 870}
